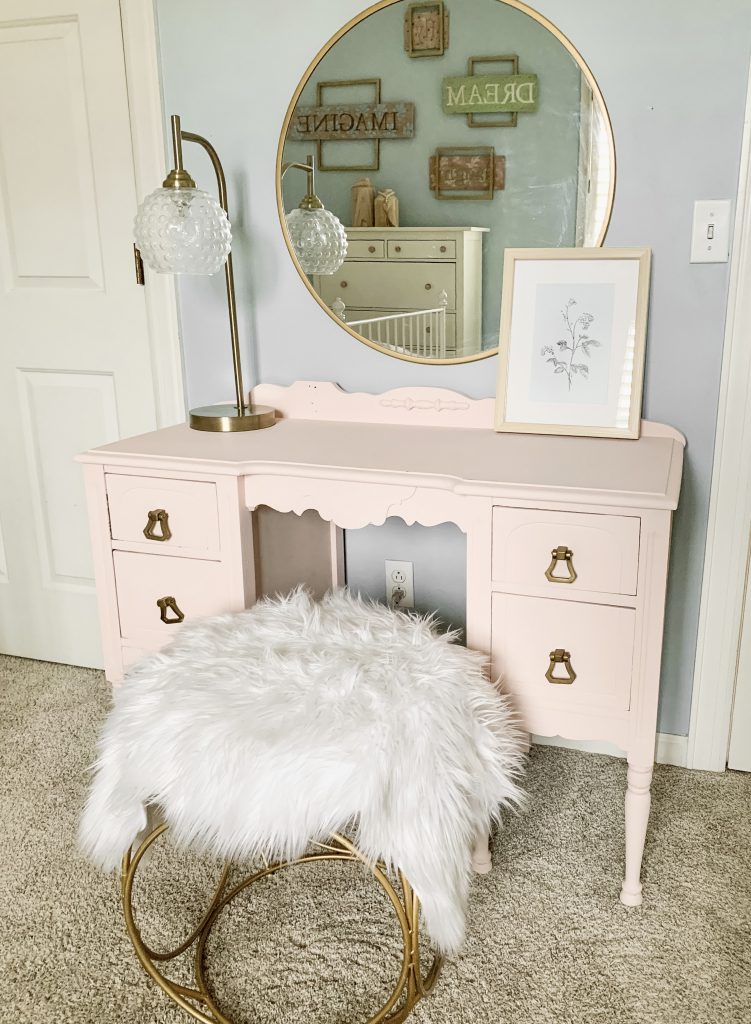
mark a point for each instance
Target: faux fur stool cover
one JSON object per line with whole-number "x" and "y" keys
{"x": 259, "y": 732}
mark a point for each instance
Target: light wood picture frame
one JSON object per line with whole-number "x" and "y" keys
{"x": 572, "y": 341}
{"x": 510, "y": 119}
{"x": 466, "y": 172}
{"x": 426, "y": 29}
{"x": 321, "y": 87}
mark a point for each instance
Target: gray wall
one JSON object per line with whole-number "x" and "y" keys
{"x": 674, "y": 77}
{"x": 537, "y": 206}
{"x": 439, "y": 557}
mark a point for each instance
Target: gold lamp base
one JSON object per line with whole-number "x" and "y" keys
{"x": 197, "y": 998}
{"x": 225, "y": 418}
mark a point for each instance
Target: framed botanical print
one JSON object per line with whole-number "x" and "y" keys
{"x": 573, "y": 330}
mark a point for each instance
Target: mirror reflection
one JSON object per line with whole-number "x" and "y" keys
{"x": 428, "y": 139}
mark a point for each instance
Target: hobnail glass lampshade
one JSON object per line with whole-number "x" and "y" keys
{"x": 319, "y": 240}
{"x": 182, "y": 231}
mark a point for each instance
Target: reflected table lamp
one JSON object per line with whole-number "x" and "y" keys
{"x": 317, "y": 236}
{"x": 180, "y": 229}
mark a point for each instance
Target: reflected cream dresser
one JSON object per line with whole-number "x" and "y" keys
{"x": 567, "y": 544}
{"x": 399, "y": 270}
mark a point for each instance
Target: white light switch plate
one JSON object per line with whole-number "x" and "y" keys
{"x": 710, "y": 235}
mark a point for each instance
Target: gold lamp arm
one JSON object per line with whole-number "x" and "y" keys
{"x": 178, "y": 177}
{"x": 311, "y": 200}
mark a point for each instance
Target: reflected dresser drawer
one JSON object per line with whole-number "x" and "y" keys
{"x": 422, "y": 249}
{"x": 390, "y": 286}
{"x": 565, "y": 551}
{"x": 562, "y": 654}
{"x": 156, "y": 593}
{"x": 173, "y": 515}
{"x": 366, "y": 249}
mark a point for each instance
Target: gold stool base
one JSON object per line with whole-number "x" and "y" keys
{"x": 199, "y": 1002}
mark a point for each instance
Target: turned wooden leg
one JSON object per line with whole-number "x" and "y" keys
{"x": 637, "y": 815}
{"x": 481, "y": 861}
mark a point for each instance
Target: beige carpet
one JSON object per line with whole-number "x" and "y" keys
{"x": 548, "y": 941}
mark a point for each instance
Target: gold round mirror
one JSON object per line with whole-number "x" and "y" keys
{"x": 425, "y": 139}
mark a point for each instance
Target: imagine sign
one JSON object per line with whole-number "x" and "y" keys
{"x": 342, "y": 121}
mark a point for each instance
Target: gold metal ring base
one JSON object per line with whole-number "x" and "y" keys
{"x": 198, "y": 1000}
{"x": 225, "y": 418}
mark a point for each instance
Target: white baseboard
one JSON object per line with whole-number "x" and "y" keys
{"x": 670, "y": 749}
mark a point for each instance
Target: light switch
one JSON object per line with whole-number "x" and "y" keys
{"x": 710, "y": 235}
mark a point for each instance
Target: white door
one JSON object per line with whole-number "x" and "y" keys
{"x": 739, "y": 752}
{"x": 75, "y": 363}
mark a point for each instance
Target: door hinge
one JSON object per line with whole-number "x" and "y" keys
{"x": 140, "y": 279}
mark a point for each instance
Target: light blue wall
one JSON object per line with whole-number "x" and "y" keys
{"x": 674, "y": 78}
{"x": 538, "y": 205}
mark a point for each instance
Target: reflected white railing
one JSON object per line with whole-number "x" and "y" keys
{"x": 421, "y": 332}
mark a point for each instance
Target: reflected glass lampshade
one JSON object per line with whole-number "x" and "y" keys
{"x": 318, "y": 238}
{"x": 182, "y": 231}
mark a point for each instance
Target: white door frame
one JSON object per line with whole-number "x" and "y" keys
{"x": 726, "y": 558}
{"x": 147, "y": 126}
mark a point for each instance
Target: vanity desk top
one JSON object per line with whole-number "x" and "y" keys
{"x": 567, "y": 542}
{"x": 451, "y": 443}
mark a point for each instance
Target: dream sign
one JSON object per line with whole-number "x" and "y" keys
{"x": 490, "y": 94}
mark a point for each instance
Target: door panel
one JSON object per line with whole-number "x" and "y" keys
{"x": 75, "y": 359}
{"x": 53, "y": 235}
{"x": 78, "y": 402}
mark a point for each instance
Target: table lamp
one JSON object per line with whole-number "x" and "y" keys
{"x": 180, "y": 229}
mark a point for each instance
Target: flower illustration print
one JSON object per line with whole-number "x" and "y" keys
{"x": 565, "y": 357}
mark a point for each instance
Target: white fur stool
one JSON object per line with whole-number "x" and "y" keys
{"x": 273, "y": 731}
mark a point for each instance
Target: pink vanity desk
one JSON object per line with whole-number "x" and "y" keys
{"x": 567, "y": 544}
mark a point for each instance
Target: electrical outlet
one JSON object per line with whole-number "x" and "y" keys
{"x": 400, "y": 585}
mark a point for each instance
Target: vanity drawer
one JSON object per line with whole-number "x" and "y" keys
{"x": 597, "y": 553}
{"x": 196, "y": 587}
{"x": 366, "y": 249}
{"x": 599, "y": 639}
{"x": 183, "y": 510}
{"x": 422, "y": 249}
{"x": 369, "y": 285}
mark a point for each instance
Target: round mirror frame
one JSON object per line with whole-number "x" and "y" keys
{"x": 597, "y": 94}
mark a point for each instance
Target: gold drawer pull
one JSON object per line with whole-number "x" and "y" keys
{"x": 163, "y": 603}
{"x": 161, "y": 518}
{"x": 561, "y": 554}
{"x": 443, "y": 248}
{"x": 560, "y": 657}
{"x": 397, "y": 248}
{"x": 343, "y": 284}
{"x": 428, "y": 287}
{"x": 371, "y": 248}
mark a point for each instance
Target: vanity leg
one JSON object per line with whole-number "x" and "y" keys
{"x": 638, "y": 801}
{"x": 481, "y": 860}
